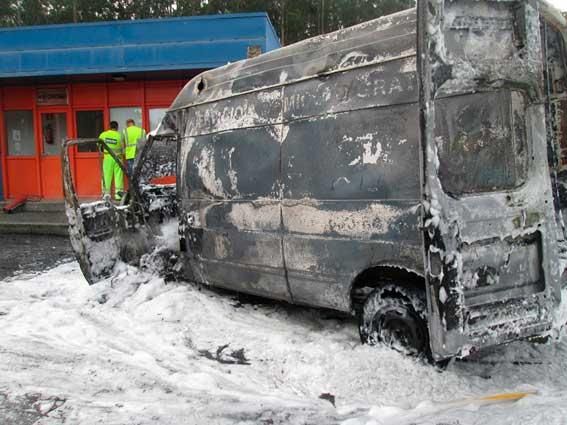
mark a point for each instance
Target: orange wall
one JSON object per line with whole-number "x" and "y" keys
{"x": 88, "y": 176}
{"x": 21, "y": 177}
{"x": 37, "y": 176}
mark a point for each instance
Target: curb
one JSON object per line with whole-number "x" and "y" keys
{"x": 34, "y": 229}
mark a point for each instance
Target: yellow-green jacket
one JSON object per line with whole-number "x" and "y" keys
{"x": 114, "y": 141}
{"x": 132, "y": 135}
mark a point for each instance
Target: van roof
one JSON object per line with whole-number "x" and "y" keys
{"x": 384, "y": 39}
{"x": 380, "y": 40}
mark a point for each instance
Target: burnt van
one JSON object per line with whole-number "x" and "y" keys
{"x": 406, "y": 170}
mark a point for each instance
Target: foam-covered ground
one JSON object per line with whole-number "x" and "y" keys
{"x": 139, "y": 351}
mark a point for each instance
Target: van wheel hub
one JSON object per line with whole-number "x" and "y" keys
{"x": 395, "y": 316}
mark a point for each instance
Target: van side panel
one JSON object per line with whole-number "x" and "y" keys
{"x": 230, "y": 206}
{"x": 315, "y": 146}
{"x": 350, "y": 159}
{"x": 350, "y": 201}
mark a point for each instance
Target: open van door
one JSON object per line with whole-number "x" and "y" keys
{"x": 104, "y": 233}
{"x": 489, "y": 227}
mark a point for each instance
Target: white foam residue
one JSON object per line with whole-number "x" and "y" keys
{"x": 355, "y": 161}
{"x": 353, "y": 58}
{"x": 206, "y": 168}
{"x": 137, "y": 347}
{"x": 169, "y": 237}
{"x": 371, "y": 153}
{"x": 309, "y": 218}
{"x": 442, "y": 295}
{"x": 232, "y": 175}
{"x": 258, "y": 216}
{"x": 269, "y": 96}
{"x": 342, "y": 180}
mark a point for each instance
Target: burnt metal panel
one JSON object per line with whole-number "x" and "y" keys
{"x": 358, "y": 155}
{"x": 336, "y": 115}
{"x": 327, "y": 263}
{"x": 348, "y": 204}
{"x": 249, "y": 110}
{"x": 481, "y": 142}
{"x": 235, "y": 164}
{"x": 555, "y": 76}
{"x": 245, "y": 278}
{"x": 513, "y": 265}
{"x": 364, "y": 50}
{"x": 490, "y": 230}
{"x": 230, "y": 206}
{"x": 327, "y": 243}
{"x": 237, "y": 245}
{"x": 391, "y": 83}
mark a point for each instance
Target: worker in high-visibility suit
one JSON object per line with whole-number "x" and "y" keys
{"x": 132, "y": 135}
{"x": 113, "y": 139}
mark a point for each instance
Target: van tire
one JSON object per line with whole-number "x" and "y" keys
{"x": 396, "y": 316}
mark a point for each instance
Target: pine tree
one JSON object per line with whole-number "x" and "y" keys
{"x": 294, "y": 20}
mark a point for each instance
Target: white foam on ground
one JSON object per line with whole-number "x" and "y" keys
{"x": 139, "y": 358}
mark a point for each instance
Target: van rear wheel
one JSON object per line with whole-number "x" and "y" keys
{"x": 395, "y": 315}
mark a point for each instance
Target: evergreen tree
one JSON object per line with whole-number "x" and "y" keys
{"x": 294, "y": 19}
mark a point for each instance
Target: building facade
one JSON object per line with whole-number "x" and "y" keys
{"x": 69, "y": 81}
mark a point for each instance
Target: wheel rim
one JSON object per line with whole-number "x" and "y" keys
{"x": 402, "y": 332}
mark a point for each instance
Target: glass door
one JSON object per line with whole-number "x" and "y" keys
{"x": 53, "y": 132}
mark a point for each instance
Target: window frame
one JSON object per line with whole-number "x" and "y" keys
{"x": 32, "y": 113}
{"x": 522, "y": 175}
{"x": 100, "y": 109}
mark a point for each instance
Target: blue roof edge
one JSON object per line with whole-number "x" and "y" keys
{"x": 272, "y": 29}
{"x": 142, "y": 21}
{"x": 36, "y": 64}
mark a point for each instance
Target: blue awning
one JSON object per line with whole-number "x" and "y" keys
{"x": 185, "y": 43}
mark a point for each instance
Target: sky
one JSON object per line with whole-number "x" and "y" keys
{"x": 560, "y": 4}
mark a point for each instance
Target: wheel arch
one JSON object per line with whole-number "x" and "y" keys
{"x": 378, "y": 275}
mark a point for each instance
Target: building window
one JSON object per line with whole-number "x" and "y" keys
{"x": 89, "y": 126}
{"x": 121, "y": 115}
{"x": 54, "y": 132}
{"x": 156, "y": 115}
{"x": 19, "y": 133}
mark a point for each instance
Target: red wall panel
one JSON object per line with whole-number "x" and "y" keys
{"x": 3, "y": 149}
{"x": 88, "y": 177}
{"x": 162, "y": 92}
{"x": 18, "y": 97}
{"x": 126, "y": 94}
{"x": 88, "y": 95}
{"x": 22, "y": 177}
{"x": 51, "y": 178}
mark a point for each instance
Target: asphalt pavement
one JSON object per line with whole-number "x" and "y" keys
{"x": 32, "y": 253}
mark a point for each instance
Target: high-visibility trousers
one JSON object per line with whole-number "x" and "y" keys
{"x": 111, "y": 169}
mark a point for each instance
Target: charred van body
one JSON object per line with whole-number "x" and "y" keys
{"x": 405, "y": 169}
